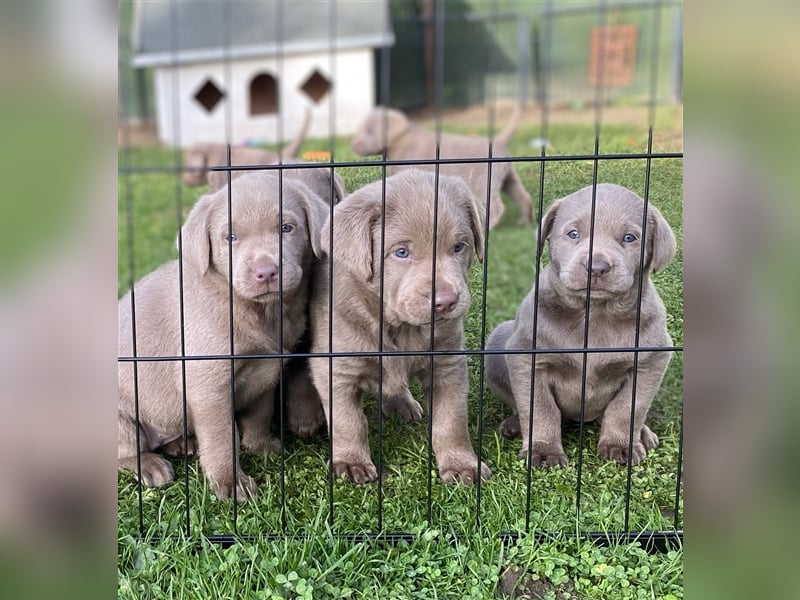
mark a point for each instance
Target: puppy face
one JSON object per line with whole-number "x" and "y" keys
{"x": 378, "y": 131}
{"x": 613, "y": 265}
{"x": 261, "y": 242}
{"x": 416, "y": 286}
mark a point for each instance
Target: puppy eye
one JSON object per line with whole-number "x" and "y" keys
{"x": 573, "y": 234}
{"x": 287, "y": 228}
{"x": 231, "y": 237}
{"x": 459, "y": 247}
{"x": 628, "y": 238}
{"x": 402, "y": 252}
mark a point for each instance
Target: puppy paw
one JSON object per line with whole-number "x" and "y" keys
{"x": 156, "y": 470}
{"x": 618, "y": 452}
{"x": 545, "y": 455}
{"x": 306, "y": 423}
{"x": 509, "y": 428}
{"x": 356, "y": 472}
{"x": 649, "y": 439}
{"x": 463, "y": 471}
{"x": 404, "y": 406}
{"x": 246, "y": 487}
{"x": 259, "y": 444}
{"x": 176, "y": 447}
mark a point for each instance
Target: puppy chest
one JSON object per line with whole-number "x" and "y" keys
{"x": 605, "y": 375}
{"x": 254, "y": 377}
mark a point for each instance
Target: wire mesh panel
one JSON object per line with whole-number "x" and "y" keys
{"x": 237, "y": 429}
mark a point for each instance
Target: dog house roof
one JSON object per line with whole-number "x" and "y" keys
{"x": 169, "y": 33}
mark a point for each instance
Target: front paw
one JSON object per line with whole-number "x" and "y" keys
{"x": 356, "y": 472}
{"x": 404, "y": 406}
{"x": 509, "y": 428}
{"x": 156, "y": 471}
{"x": 259, "y": 444}
{"x": 307, "y": 421}
{"x": 246, "y": 487}
{"x": 181, "y": 447}
{"x": 545, "y": 455}
{"x": 618, "y": 452}
{"x": 463, "y": 470}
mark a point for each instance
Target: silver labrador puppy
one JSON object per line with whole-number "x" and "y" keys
{"x": 613, "y": 272}
{"x": 259, "y": 309}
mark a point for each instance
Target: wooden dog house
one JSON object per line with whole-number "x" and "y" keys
{"x": 235, "y": 71}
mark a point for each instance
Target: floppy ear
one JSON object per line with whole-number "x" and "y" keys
{"x": 339, "y": 189}
{"x": 548, "y": 221}
{"x": 476, "y": 221}
{"x": 353, "y": 220}
{"x": 196, "y": 235}
{"x": 661, "y": 244}
{"x": 316, "y": 211}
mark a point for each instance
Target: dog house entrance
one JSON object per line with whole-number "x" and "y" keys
{"x": 263, "y": 95}
{"x": 316, "y": 86}
{"x": 209, "y": 95}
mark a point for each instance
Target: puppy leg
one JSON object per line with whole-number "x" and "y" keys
{"x": 496, "y": 369}
{"x": 455, "y": 457}
{"x": 156, "y": 470}
{"x": 512, "y": 185}
{"x": 255, "y": 424}
{"x": 216, "y": 431}
{"x": 347, "y": 424}
{"x": 545, "y": 439}
{"x": 304, "y": 414}
{"x": 180, "y": 447}
{"x": 615, "y": 426}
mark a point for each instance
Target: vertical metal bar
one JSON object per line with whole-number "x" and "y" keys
{"x": 124, "y": 42}
{"x": 281, "y": 345}
{"x": 544, "y": 107}
{"x": 637, "y": 330}
{"x": 177, "y": 138}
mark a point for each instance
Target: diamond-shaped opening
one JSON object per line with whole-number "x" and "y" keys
{"x": 209, "y": 95}
{"x": 263, "y": 95}
{"x": 316, "y": 86}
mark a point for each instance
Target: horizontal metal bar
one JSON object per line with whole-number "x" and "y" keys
{"x": 411, "y": 162}
{"x": 381, "y": 353}
{"x": 651, "y": 541}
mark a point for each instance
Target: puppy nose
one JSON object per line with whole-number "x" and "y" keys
{"x": 266, "y": 271}
{"x": 599, "y": 267}
{"x": 445, "y": 302}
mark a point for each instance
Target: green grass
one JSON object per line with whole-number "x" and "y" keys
{"x": 438, "y": 563}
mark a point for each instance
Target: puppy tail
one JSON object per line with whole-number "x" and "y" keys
{"x": 293, "y": 148}
{"x": 504, "y": 136}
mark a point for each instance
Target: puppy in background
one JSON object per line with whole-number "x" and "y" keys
{"x": 390, "y": 129}
{"x": 401, "y": 254}
{"x": 261, "y": 302}
{"x": 201, "y": 156}
{"x": 609, "y": 278}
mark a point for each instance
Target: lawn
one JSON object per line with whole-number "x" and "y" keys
{"x": 455, "y": 549}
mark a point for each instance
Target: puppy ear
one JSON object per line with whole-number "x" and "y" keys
{"x": 196, "y": 235}
{"x": 353, "y": 220}
{"x": 339, "y": 189}
{"x": 548, "y": 221}
{"x": 476, "y": 222}
{"x": 661, "y": 246}
{"x": 315, "y": 209}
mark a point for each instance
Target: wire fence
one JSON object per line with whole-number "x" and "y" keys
{"x": 299, "y": 491}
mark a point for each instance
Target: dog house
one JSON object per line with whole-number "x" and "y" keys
{"x": 237, "y": 71}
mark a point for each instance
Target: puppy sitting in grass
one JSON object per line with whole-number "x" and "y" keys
{"x": 605, "y": 285}
{"x": 391, "y": 253}
{"x": 244, "y": 285}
